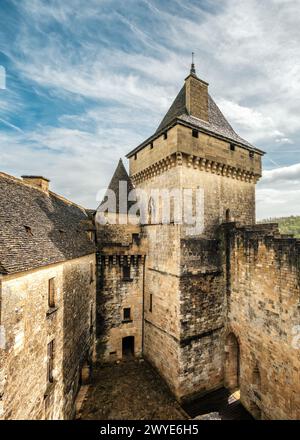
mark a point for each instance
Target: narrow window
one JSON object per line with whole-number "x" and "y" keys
{"x": 150, "y": 303}
{"x": 51, "y": 293}
{"x": 232, "y": 147}
{"x": 151, "y": 145}
{"x": 135, "y": 157}
{"x": 91, "y": 273}
{"x": 126, "y": 273}
{"x": 195, "y": 133}
{"x": 50, "y": 361}
{"x": 228, "y": 215}
{"x": 165, "y": 135}
{"x": 256, "y": 376}
{"x": 91, "y": 320}
{"x": 127, "y": 314}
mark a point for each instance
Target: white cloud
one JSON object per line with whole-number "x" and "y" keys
{"x": 255, "y": 124}
{"x": 278, "y": 193}
{"x": 248, "y": 51}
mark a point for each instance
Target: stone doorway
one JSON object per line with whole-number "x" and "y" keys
{"x": 128, "y": 347}
{"x": 232, "y": 363}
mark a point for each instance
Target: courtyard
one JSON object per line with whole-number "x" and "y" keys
{"x": 132, "y": 390}
{"x": 129, "y": 390}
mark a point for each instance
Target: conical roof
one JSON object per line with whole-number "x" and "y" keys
{"x": 120, "y": 175}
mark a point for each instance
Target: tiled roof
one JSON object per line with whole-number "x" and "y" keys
{"x": 38, "y": 229}
{"x": 217, "y": 123}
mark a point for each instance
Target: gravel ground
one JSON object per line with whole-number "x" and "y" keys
{"x": 129, "y": 390}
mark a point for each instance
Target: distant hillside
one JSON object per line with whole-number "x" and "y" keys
{"x": 287, "y": 225}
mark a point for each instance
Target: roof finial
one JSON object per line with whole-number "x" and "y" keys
{"x": 193, "y": 70}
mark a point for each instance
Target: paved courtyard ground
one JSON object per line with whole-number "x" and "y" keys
{"x": 130, "y": 390}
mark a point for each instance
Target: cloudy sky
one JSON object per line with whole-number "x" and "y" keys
{"x": 88, "y": 80}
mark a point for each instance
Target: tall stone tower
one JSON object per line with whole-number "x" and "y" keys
{"x": 185, "y": 296}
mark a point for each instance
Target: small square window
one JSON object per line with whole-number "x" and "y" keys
{"x": 127, "y": 314}
{"x": 136, "y": 238}
{"x": 232, "y": 147}
{"x": 251, "y": 154}
{"x": 195, "y": 133}
{"x": 165, "y": 135}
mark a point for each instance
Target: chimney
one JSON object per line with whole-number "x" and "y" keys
{"x": 37, "y": 181}
{"x": 196, "y": 96}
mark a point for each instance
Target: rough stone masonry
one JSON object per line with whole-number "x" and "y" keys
{"x": 214, "y": 310}
{"x": 220, "y": 308}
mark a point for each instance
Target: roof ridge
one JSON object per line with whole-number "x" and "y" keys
{"x": 18, "y": 180}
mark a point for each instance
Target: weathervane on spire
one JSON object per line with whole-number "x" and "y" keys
{"x": 193, "y": 70}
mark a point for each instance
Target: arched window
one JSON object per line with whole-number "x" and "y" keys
{"x": 232, "y": 363}
{"x": 151, "y": 211}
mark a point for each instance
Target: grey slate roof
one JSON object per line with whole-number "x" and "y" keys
{"x": 119, "y": 175}
{"x": 216, "y": 124}
{"x": 37, "y": 229}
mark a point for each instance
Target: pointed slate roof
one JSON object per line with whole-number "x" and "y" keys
{"x": 217, "y": 123}
{"x": 120, "y": 175}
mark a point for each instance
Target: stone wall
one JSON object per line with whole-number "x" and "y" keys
{"x": 264, "y": 315}
{"x": 162, "y": 325}
{"x": 114, "y": 295}
{"x": 223, "y": 196}
{"x": 120, "y": 246}
{"x": 30, "y": 325}
{"x": 202, "y": 317}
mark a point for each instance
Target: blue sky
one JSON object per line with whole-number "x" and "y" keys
{"x": 87, "y": 81}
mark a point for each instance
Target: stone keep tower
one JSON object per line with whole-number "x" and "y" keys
{"x": 185, "y": 304}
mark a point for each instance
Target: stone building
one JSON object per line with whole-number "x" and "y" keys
{"x": 209, "y": 307}
{"x": 47, "y": 300}
{"x": 213, "y": 309}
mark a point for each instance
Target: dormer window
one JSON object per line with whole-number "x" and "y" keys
{"x": 165, "y": 135}
{"x": 232, "y": 147}
{"x": 28, "y": 230}
{"x": 195, "y": 133}
{"x": 91, "y": 235}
